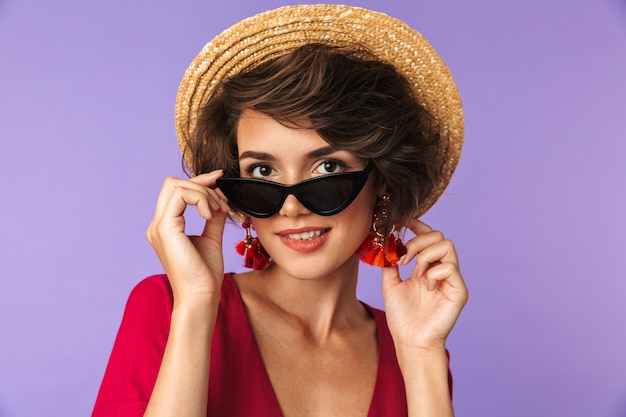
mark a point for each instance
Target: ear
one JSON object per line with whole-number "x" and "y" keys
{"x": 382, "y": 188}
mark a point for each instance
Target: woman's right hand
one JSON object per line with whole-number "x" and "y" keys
{"x": 194, "y": 264}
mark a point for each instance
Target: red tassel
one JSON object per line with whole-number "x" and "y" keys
{"x": 259, "y": 257}
{"x": 392, "y": 254}
{"x": 376, "y": 250}
{"x": 372, "y": 251}
{"x": 395, "y": 249}
{"x": 366, "y": 251}
{"x": 367, "y": 243}
{"x": 380, "y": 260}
{"x": 241, "y": 247}
{"x": 254, "y": 256}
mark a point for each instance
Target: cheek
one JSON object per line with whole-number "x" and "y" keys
{"x": 358, "y": 217}
{"x": 256, "y": 224}
{"x": 368, "y": 199}
{"x": 363, "y": 223}
{"x": 358, "y": 234}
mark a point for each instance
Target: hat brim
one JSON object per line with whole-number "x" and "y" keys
{"x": 270, "y": 34}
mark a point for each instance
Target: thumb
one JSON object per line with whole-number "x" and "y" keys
{"x": 214, "y": 227}
{"x": 391, "y": 277}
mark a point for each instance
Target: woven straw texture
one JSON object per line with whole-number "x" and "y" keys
{"x": 276, "y": 32}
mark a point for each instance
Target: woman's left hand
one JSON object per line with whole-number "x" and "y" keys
{"x": 422, "y": 309}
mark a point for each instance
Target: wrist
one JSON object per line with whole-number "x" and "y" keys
{"x": 414, "y": 356}
{"x": 412, "y": 344}
{"x": 195, "y": 297}
{"x": 195, "y": 309}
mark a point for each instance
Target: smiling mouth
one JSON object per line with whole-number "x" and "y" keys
{"x": 310, "y": 235}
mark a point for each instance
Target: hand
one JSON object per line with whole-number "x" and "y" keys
{"x": 194, "y": 264}
{"x": 422, "y": 309}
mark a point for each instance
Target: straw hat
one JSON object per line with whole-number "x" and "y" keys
{"x": 268, "y": 35}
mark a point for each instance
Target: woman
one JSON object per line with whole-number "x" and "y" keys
{"x": 324, "y": 141}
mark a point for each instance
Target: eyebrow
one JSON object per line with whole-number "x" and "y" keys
{"x": 263, "y": 156}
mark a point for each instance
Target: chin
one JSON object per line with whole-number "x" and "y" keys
{"x": 311, "y": 268}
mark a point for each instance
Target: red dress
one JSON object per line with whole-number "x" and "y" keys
{"x": 239, "y": 384}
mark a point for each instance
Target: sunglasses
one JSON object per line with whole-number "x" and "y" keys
{"x": 324, "y": 195}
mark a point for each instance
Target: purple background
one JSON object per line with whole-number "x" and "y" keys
{"x": 536, "y": 208}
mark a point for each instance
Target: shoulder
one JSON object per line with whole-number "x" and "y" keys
{"x": 149, "y": 307}
{"x": 157, "y": 289}
{"x": 152, "y": 301}
{"x": 155, "y": 286}
{"x": 151, "y": 295}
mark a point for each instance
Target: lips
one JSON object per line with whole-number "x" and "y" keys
{"x": 310, "y": 235}
{"x": 304, "y": 240}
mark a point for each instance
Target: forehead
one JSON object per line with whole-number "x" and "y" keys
{"x": 258, "y": 133}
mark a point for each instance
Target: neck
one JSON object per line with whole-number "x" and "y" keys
{"x": 316, "y": 306}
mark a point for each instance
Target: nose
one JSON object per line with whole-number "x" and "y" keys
{"x": 292, "y": 207}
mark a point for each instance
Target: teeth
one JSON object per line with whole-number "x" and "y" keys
{"x": 305, "y": 235}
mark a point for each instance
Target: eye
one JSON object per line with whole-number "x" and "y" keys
{"x": 330, "y": 166}
{"x": 260, "y": 171}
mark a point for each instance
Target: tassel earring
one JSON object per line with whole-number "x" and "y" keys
{"x": 377, "y": 249}
{"x": 254, "y": 256}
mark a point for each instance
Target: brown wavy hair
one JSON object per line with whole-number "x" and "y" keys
{"x": 354, "y": 102}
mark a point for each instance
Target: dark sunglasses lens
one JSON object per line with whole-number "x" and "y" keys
{"x": 257, "y": 199}
{"x": 326, "y": 195}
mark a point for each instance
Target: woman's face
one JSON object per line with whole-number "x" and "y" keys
{"x": 304, "y": 244}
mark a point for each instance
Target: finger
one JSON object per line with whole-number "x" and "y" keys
{"x": 214, "y": 227}
{"x": 440, "y": 252}
{"x": 181, "y": 197}
{"x": 418, "y": 227}
{"x": 172, "y": 187}
{"x": 419, "y": 243}
{"x": 443, "y": 272}
{"x": 195, "y": 194}
{"x": 208, "y": 179}
{"x": 173, "y": 201}
{"x": 170, "y": 184}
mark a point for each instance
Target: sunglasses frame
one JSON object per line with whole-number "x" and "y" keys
{"x": 357, "y": 178}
